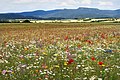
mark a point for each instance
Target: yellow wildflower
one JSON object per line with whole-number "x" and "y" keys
{"x": 65, "y": 63}
{"x": 55, "y": 54}
{"x": 57, "y": 66}
{"x": 44, "y": 53}
{"x": 103, "y": 65}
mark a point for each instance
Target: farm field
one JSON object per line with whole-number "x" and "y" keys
{"x": 60, "y": 51}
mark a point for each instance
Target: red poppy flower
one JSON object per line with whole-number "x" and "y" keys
{"x": 93, "y": 58}
{"x": 66, "y": 38}
{"x": 70, "y": 61}
{"x": 100, "y": 63}
{"x": 89, "y": 41}
{"x": 103, "y": 36}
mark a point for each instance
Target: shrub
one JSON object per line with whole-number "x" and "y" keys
{"x": 26, "y": 21}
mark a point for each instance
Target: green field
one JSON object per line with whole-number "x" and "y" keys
{"x": 60, "y": 51}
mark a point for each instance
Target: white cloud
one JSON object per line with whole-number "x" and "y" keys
{"x": 105, "y": 3}
{"x": 32, "y": 1}
{"x": 86, "y": 2}
{"x": 30, "y": 5}
{"x": 23, "y": 1}
{"x": 68, "y": 3}
{"x": 64, "y": 4}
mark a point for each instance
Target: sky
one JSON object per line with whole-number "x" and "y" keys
{"x": 9, "y": 6}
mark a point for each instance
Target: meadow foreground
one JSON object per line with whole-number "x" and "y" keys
{"x": 52, "y": 51}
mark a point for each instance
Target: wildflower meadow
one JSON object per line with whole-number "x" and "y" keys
{"x": 60, "y": 51}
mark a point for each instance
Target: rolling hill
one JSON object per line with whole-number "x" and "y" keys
{"x": 81, "y": 12}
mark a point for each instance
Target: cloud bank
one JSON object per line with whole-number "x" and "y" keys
{"x": 30, "y": 5}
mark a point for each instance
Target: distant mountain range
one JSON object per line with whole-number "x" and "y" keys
{"x": 81, "y": 12}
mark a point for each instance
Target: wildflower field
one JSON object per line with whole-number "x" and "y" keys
{"x": 60, "y": 51}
